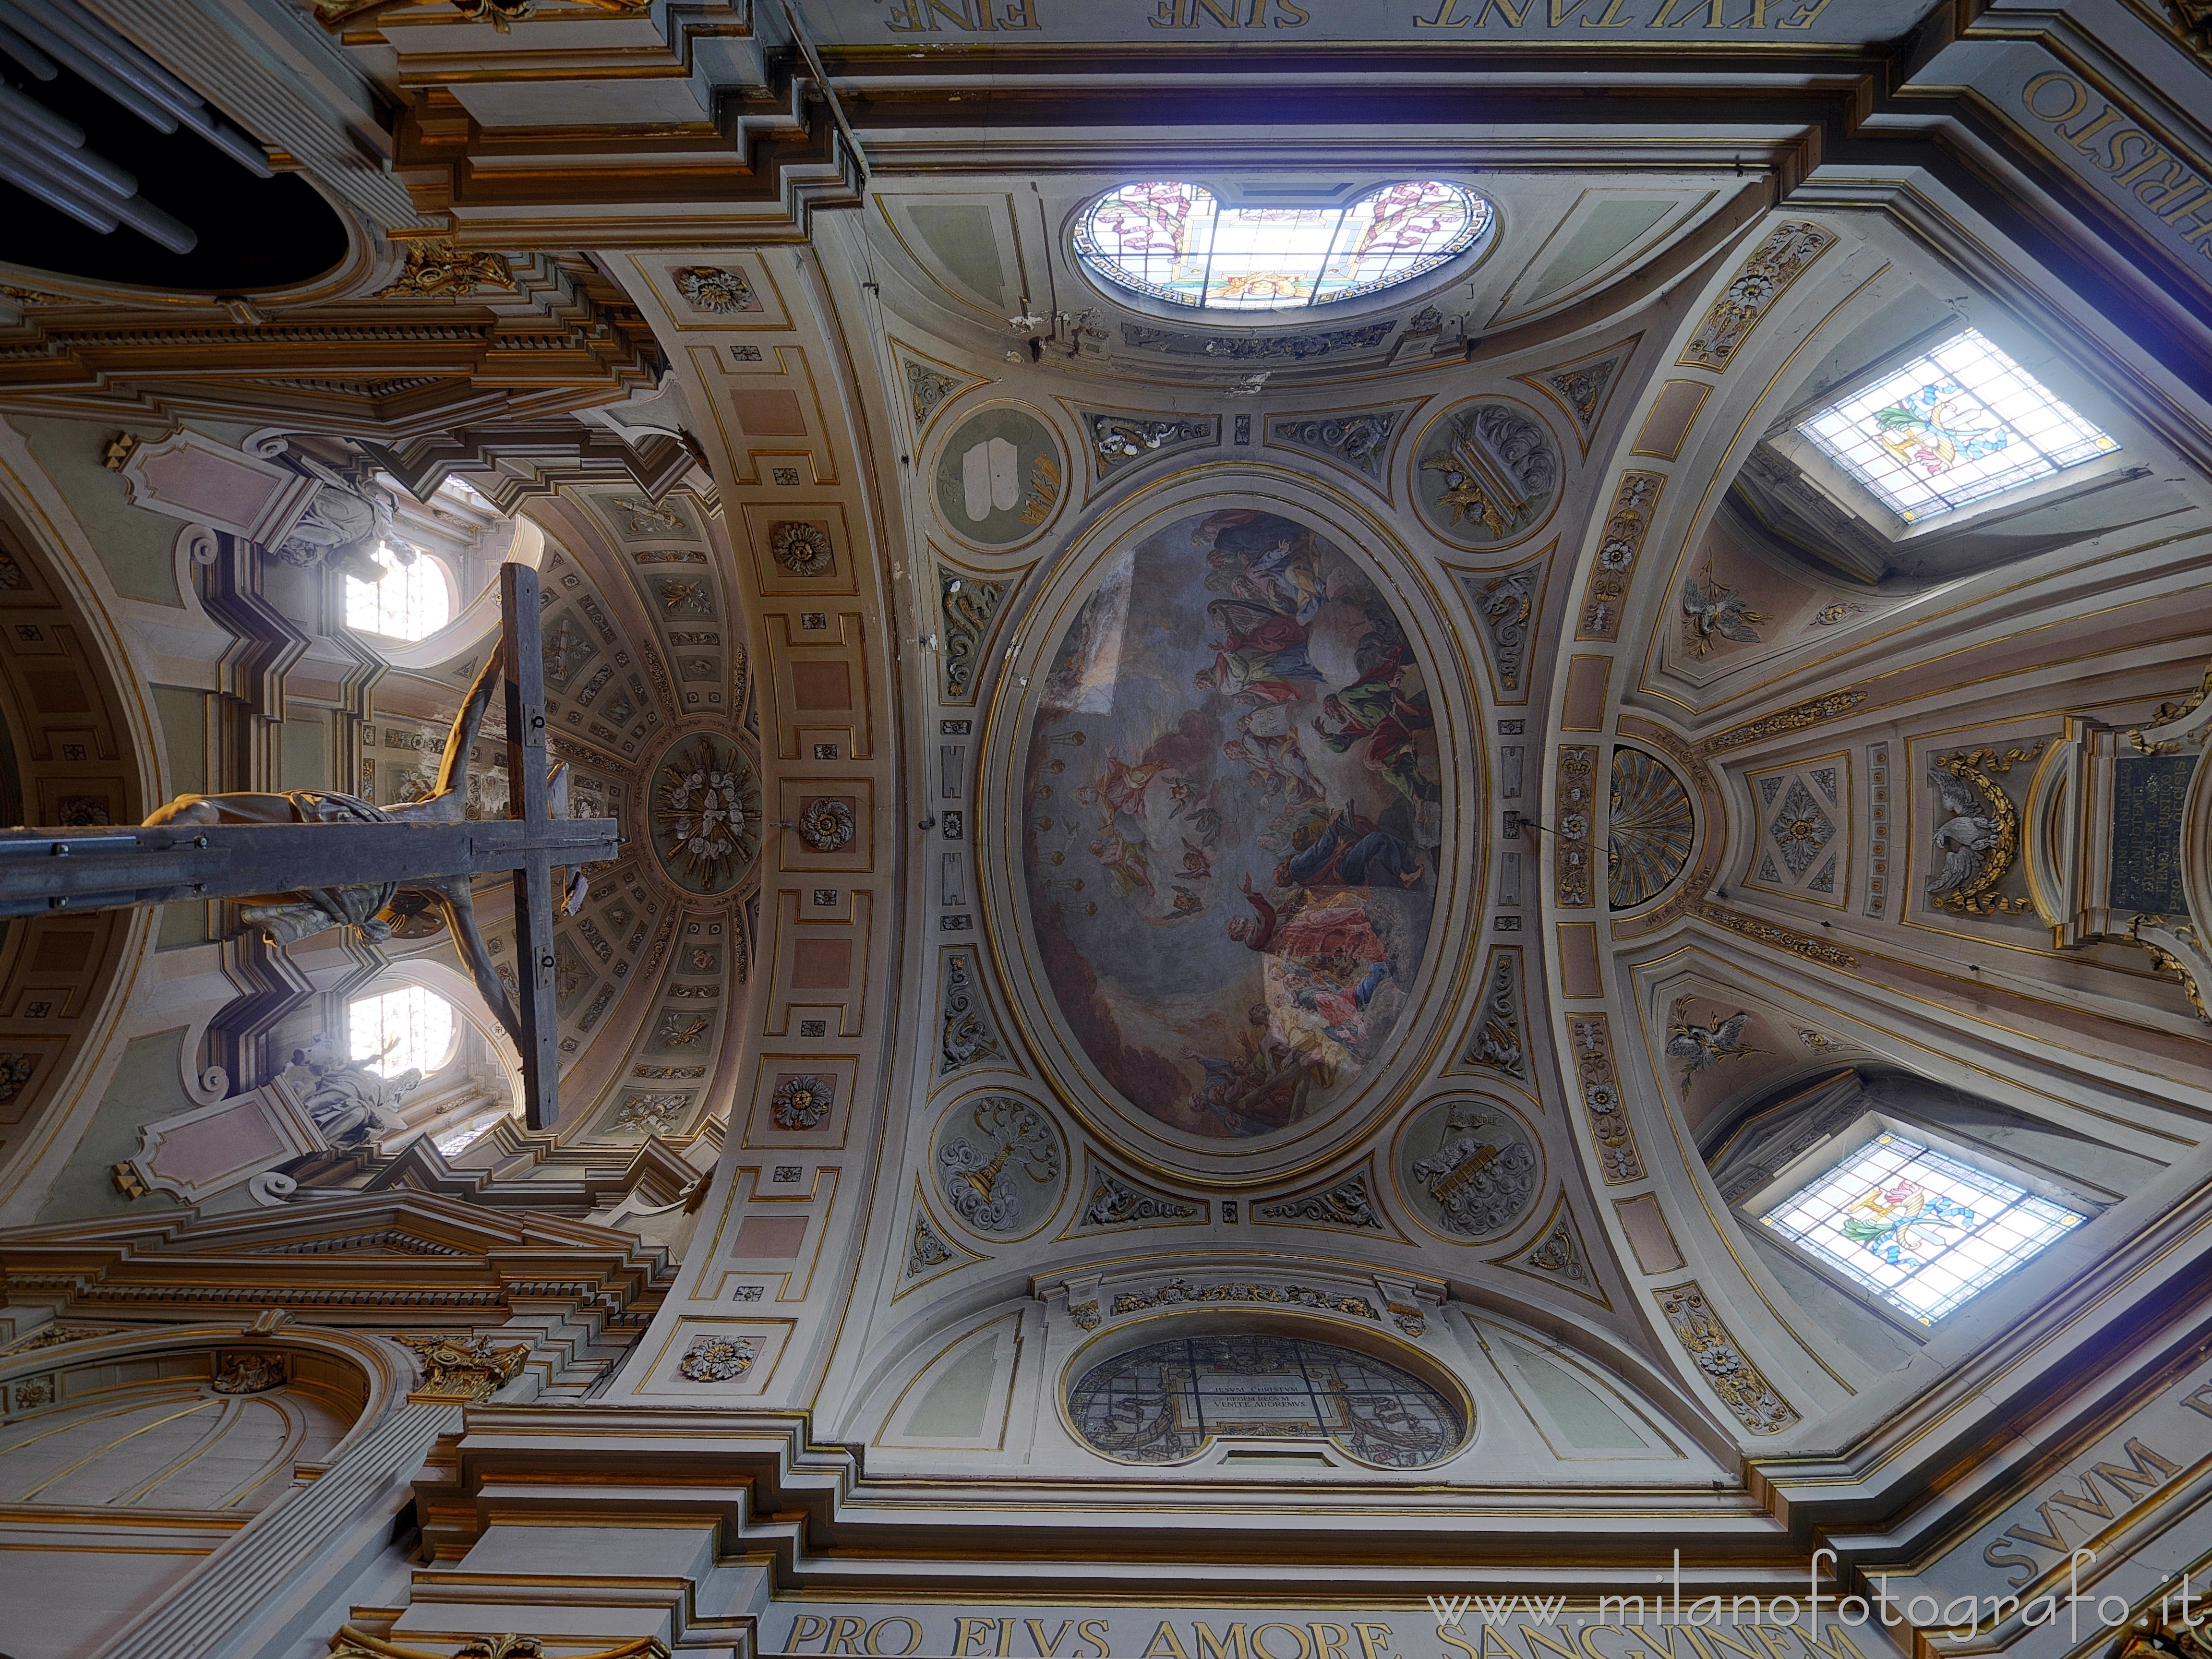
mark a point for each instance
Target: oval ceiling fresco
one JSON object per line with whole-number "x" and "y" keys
{"x": 1232, "y": 824}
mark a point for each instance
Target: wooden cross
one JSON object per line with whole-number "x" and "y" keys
{"x": 266, "y": 847}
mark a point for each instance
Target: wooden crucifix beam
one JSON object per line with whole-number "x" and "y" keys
{"x": 308, "y": 860}
{"x": 525, "y": 676}
{"x": 103, "y": 869}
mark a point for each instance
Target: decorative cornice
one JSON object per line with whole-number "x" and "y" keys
{"x": 1781, "y": 938}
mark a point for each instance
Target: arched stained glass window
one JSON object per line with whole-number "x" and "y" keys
{"x": 1174, "y": 240}
{"x": 1162, "y": 1403}
{"x": 407, "y": 1030}
{"x": 412, "y": 602}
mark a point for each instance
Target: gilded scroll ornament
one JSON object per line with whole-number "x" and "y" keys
{"x": 2192, "y": 21}
{"x": 1361, "y": 442}
{"x": 52, "y": 1336}
{"x": 2161, "y": 737}
{"x": 1346, "y": 1204}
{"x": 925, "y": 1250}
{"x": 926, "y": 389}
{"x": 968, "y": 605}
{"x": 1786, "y": 254}
{"x": 2174, "y": 948}
{"x": 1177, "y": 1292}
{"x": 248, "y": 1373}
{"x": 501, "y": 15}
{"x": 1741, "y": 1388}
{"x": 1497, "y": 1038}
{"x": 1558, "y": 1252}
{"x": 1117, "y": 440}
{"x": 965, "y": 1036}
{"x": 1115, "y": 1203}
{"x": 1977, "y": 840}
{"x": 351, "y": 1644}
{"x": 1629, "y": 521}
{"x": 1794, "y": 718}
{"x": 1503, "y": 606}
{"x": 435, "y": 270}
{"x": 1592, "y": 1039}
{"x": 1782, "y": 939}
{"x": 464, "y": 1367}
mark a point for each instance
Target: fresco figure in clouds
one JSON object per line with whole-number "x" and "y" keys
{"x": 1232, "y": 825}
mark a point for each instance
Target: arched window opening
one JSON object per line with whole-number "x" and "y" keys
{"x": 1174, "y": 240}
{"x": 413, "y": 601}
{"x": 451, "y": 1142}
{"x": 1162, "y": 1403}
{"x": 1959, "y": 423}
{"x": 406, "y": 1029}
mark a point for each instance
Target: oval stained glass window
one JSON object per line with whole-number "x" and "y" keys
{"x": 1174, "y": 240}
{"x": 1162, "y": 1403}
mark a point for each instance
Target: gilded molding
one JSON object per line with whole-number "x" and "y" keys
{"x": 1178, "y": 1291}
{"x": 1782, "y": 939}
{"x": 1794, "y": 718}
{"x": 1733, "y": 1378}
{"x": 501, "y": 15}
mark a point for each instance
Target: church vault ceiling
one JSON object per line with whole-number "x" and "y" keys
{"x": 1226, "y": 914}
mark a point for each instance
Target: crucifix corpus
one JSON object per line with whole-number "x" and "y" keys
{"x": 303, "y": 860}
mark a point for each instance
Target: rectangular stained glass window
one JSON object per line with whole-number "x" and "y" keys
{"x": 1960, "y": 424}
{"x": 1922, "y": 1229}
